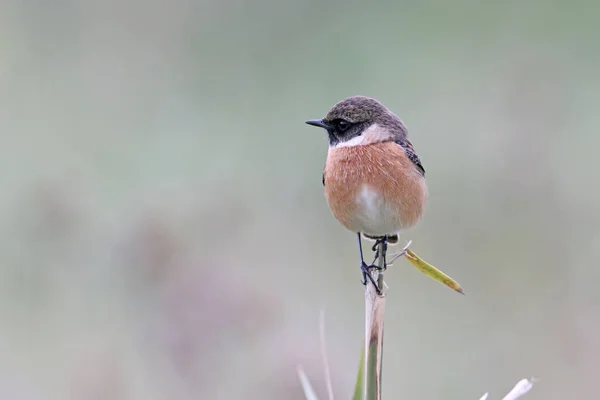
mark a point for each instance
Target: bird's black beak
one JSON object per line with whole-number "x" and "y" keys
{"x": 320, "y": 123}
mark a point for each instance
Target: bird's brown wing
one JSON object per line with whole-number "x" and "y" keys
{"x": 412, "y": 155}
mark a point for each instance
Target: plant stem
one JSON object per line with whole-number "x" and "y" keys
{"x": 374, "y": 315}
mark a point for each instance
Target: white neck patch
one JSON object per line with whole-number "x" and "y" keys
{"x": 365, "y": 138}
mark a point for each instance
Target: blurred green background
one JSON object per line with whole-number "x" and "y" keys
{"x": 163, "y": 232}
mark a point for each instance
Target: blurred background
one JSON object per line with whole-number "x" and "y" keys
{"x": 163, "y": 230}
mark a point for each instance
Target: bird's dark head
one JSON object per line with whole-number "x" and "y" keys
{"x": 360, "y": 120}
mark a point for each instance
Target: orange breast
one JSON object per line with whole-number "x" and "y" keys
{"x": 374, "y": 189}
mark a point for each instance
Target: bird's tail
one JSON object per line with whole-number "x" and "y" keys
{"x": 391, "y": 239}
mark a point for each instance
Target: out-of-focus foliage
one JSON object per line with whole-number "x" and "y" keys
{"x": 162, "y": 223}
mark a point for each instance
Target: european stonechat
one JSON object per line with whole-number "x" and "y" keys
{"x": 374, "y": 181}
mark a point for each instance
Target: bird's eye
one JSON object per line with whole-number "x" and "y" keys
{"x": 342, "y": 125}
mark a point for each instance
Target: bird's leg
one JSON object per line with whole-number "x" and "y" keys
{"x": 375, "y": 249}
{"x": 384, "y": 244}
{"x": 375, "y": 259}
{"x": 382, "y": 241}
{"x": 377, "y": 243}
{"x": 366, "y": 269}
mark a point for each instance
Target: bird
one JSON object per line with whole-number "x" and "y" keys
{"x": 373, "y": 179}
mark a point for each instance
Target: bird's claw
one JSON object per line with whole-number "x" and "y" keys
{"x": 366, "y": 271}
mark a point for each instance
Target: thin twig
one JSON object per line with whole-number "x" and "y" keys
{"x": 324, "y": 355}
